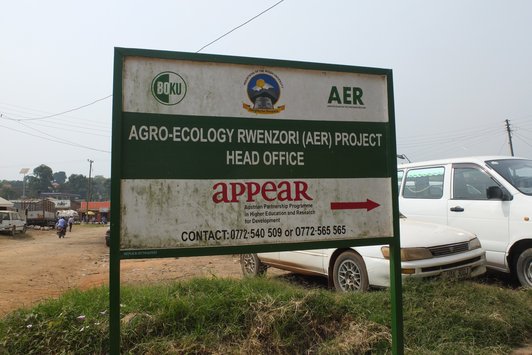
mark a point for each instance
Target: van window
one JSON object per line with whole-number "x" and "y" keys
{"x": 470, "y": 184}
{"x": 426, "y": 183}
{"x": 517, "y": 172}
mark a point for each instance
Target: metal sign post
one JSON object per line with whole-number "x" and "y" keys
{"x": 226, "y": 155}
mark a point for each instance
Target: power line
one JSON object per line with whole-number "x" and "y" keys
{"x": 451, "y": 141}
{"x": 522, "y": 128}
{"x": 56, "y": 114}
{"x": 237, "y": 27}
{"x": 453, "y": 134}
{"x": 66, "y": 121}
{"x": 55, "y": 140}
{"x": 56, "y": 125}
{"x": 522, "y": 139}
{"x": 446, "y": 138}
{"x": 74, "y": 144}
{"x": 16, "y": 112}
{"x": 453, "y": 146}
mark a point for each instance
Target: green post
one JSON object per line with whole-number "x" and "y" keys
{"x": 114, "y": 305}
{"x": 114, "y": 254}
{"x": 396, "y": 288}
{"x": 397, "y": 298}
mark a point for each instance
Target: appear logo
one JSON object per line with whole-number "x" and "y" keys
{"x": 264, "y": 89}
{"x": 169, "y": 88}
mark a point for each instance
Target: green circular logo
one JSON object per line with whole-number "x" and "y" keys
{"x": 168, "y": 88}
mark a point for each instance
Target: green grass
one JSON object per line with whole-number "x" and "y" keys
{"x": 267, "y": 316}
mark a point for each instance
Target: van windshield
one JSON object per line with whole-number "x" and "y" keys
{"x": 517, "y": 172}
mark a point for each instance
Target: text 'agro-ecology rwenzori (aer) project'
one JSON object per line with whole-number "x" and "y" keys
{"x": 223, "y": 154}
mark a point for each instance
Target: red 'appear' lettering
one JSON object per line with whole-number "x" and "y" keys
{"x": 249, "y": 191}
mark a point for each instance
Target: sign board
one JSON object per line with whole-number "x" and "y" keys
{"x": 223, "y": 155}
{"x": 224, "y": 152}
{"x": 62, "y": 204}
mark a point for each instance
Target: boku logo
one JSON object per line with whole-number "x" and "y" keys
{"x": 169, "y": 88}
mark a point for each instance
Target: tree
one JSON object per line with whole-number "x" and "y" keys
{"x": 60, "y": 177}
{"x": 100, "y": 188}
{"x": 7, "y": 191}
{"x": 77, "y": 184}
{"x": 41, "y": 181}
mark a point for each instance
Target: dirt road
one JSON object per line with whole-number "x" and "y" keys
{"x": 38, "y": 265}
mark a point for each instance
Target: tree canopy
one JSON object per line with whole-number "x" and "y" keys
{"x": 44, "y": 180}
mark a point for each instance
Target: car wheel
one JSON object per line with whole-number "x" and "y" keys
{"x": 349, "y": 273}
{"x": 14, "y": 231}
{"x": 523, "y": 268}
{"x": 251, "y": 265}
{"x": 24, "y": 229}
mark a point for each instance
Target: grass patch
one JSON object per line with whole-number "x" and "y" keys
{"x": 265, "y": 316}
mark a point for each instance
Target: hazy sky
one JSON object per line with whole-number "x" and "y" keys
{"x": 460, "y": 67}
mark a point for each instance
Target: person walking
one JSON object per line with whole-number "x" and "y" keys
{"x": 70, "y": 223}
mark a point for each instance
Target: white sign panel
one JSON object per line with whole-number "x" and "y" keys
{"x": 193, "y": 213}
{"x": 204, "y": 89}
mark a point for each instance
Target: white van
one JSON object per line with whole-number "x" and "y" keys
{"x": 489, "y": 196}
{"x": 11, "y": 222}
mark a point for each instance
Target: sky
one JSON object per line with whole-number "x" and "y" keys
{"x": 460, "y": 68}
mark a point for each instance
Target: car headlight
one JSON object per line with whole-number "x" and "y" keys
{"x": 409, "y": 254}
{"x": 474, "y": 244}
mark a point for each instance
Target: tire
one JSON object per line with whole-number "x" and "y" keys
{"x": 14, "y": 231}
{"x": 24, "y": 229}
{"x": 523, "y": 268}
{"x": 252, "y": 266}
{"x": 349, "y": 273}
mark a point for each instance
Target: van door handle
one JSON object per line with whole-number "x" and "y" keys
{"x": 457, "y": 209}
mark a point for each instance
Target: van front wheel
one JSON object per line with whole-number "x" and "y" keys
{"x": 523, "y": 268}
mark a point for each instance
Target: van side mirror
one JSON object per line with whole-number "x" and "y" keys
{"x": 496, "y": 193}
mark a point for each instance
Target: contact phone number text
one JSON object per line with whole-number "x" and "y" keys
{"x": 260, "y": 233}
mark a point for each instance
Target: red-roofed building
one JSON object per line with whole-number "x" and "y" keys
{"x": 98, "y": 211}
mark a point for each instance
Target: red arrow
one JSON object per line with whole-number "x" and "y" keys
{"x": 368, "y": 205}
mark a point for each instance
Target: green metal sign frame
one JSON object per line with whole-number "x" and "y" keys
{"x": 131, "y": 161}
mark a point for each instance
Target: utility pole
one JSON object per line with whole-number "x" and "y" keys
{"x": 509, "y": 136}
{"x": 89, "y": 188}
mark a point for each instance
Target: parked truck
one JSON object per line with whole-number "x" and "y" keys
{"x": 37, "y": 212}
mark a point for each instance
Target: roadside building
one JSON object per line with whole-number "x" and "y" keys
{"x": 97, "y": 211}
{"x": 5, "y": 204}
